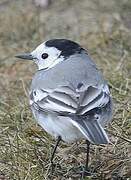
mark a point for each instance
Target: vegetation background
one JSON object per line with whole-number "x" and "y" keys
{"x": 102, "y": 27}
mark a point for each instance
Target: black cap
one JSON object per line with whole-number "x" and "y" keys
{"x": 67, "y": 47}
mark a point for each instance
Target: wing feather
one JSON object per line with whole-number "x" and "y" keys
{"x": 65, "y": 98}
{"x": 89, "y": 95}
{"x": 68, "y": 101}
{"x": 99, "y": 101}
{"x": 92, "y": 130}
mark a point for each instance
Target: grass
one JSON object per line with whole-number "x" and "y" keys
{"x": 102, "y": 28}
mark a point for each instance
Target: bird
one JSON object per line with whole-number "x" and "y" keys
{"x": 69, "y": 97}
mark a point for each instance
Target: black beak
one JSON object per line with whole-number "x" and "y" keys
{"x": 27, "y": 56}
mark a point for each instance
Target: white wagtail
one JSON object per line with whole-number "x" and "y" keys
{"x": 69, "y": 97}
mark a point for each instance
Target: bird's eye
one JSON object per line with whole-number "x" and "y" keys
{"x": 44, "y": 55}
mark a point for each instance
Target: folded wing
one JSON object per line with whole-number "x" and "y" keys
{"x": 67, "y": 101}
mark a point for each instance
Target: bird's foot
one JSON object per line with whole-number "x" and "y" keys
{"x": 85, "y": 172}
{"x": 53, "y": 166}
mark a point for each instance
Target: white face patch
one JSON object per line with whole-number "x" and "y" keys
{"x": 52, "y": 59}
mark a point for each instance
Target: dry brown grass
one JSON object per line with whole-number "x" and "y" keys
{"x": 103, "y": 28}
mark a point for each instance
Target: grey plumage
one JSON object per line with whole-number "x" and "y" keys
{"x": 75, "y": 89}
{"x": 79, "y": 68}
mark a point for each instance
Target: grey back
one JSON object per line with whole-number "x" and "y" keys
{"x": 77, "y": 69}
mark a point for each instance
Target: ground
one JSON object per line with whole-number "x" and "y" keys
{"x": 102, "y": 27}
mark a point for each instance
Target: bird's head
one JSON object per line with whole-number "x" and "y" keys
{"x": 52, "y": 52}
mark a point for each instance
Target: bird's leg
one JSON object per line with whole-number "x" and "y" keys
{"x": 87, "y": 155}
{"x": 86, "y": 171}
{"x": 54, "y": 150}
